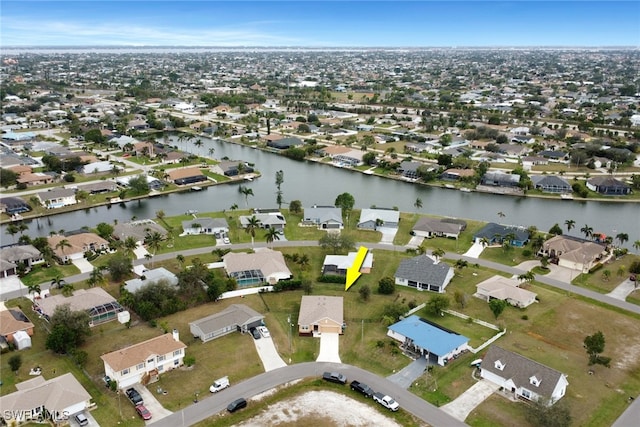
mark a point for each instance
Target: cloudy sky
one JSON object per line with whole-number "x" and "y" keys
{"x": 320, "y": 23}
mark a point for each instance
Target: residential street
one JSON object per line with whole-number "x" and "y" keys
{"x": 216, "y": 403}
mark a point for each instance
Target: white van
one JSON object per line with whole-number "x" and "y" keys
{"x": 219, "y": 384}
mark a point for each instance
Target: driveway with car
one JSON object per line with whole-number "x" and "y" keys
{"x": 151, "y": 403}
{"x": 268, "y": 354}
{"x": 329, "y": 348}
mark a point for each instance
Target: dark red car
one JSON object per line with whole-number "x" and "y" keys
{"x": 143, "y": 412}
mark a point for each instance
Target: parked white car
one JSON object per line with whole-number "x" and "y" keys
{"x": 219, "y": 384}
{"x": 264, "y": 331}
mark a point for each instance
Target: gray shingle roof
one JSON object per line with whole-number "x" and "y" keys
{"x": 520, "y": 370}
{"x": 423, "y": 269}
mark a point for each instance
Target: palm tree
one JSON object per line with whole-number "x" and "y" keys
{"x": 57, "y": 282}
{"x": 537, "y": 242}
{"x": 252, "y": 225}
{"x": 570, "y": 224}
{"x": 211, "y": 151}
{"x": 62, "y": 245}
{"x": 587, "y": 231}
{"x": 160, "y": 214}
{"x": 501, "y": 214}
{"x": 528, "y": 277}
{"x": 198, "y": 143}
{"x": 180, "y": 259}
{"x": 12, "y": 229}
{"x": 484, "y": 241}
{"x": 622, "y": 238}
{"x": 130, "y": 245}
{"x": 418, "y": 203}
{"x": 35, "y": 202}
{"x": 272, "y": 234}
{"x": 34, "y": 289}
{"x": 246, "y": 192}
{"x": 437, "y": 253}
{"x": 636, "y": 245}
{"x": 95, "y": 277}
{"x": 67, "y": 289}
{"x": 153, "y": 240}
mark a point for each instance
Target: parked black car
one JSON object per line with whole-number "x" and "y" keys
{"x": 362, "y": 388}
{"x": 237, "y": 404}
{"x": 255, "y": 333}
{"x": 334, "y": 377}
{"x": 134, "y": 396}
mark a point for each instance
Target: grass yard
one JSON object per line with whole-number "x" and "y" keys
{"x": 41, "y": 274}
{"x": 512, "y": 256}
{"x": 598, "y": 281}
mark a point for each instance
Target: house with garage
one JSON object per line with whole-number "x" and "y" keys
{"x": 76, "y": 245}
{"x": 573, "y": 252}
{"x": 236, "y": 317}
{"x": 144, "y": 362}
{"x": 206, "y": 225}
{"x": 53, "y": 400}
{"x": 138, "y": 229}
{"x": 439, "y": 227}
{"x": 372, "y": 219}
{"x": 609, "y": 186}
{"x": 233, "y": 167}
{"x": 13, "y": 321}
{"x": 285, "y": 143}
{"x": 96, "y": 167}
{"x": 493, "y": 233}
{"x": 323, "y": 217}
{"x": 338, "y": 264}
{"x": 253, "y": 269}
{"x": 424, "y": 274}
{"x": 457, "y": 174}
{"x": 99, "y": 187}
{"x": 551, "y": 184}
{"x": 35, "y": 178}
{"x": 266, "y": 220}
{"x": 437, "y": 343}
{"x": 500, "y": 179}
{"x": 100, "y": 305}
{"x": 26, "y": 255}
{"x": 13, "y": 205}
{"x": 151, "y": 276}
{"x": 409, "y": 169}
{"x": 505, "y": 289}
{"x": 320, "y": 314}
{"x": 57, "y": 198}
{"x": 186, "y": 176}
{"x": 523, "y": 377}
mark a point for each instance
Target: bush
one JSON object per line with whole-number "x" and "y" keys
{"x": 635, "y": 267}
{"x": 287, "y": 285}
{"x": 331, "y": 278}
{"x": 386, "y": 286}
{"x": 526, "y": 253}
{"x": 189, "y": 360}
{"x": 524, "y": 317}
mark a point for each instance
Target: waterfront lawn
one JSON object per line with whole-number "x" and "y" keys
{"x": 42, "y": 274}
{"x": 460, "y": 245}
{"x": 512, "y": 256}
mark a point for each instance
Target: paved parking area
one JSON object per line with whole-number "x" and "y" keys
{"x": 329, "y": 348}
{"x": 83, "y": 265}
{"x": 415, "y": 241}
{"x": 405, "y": 377}
{"x": 268, "y": 354}
{"x": 388, "y": 234}
{"x": 92, "y": 421}
{"x": 475, "y": 250}
{"x": 150, "y": 402}
{"x": 467, "y": 401}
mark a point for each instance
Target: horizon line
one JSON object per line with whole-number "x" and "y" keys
{"x": 315, "y": 47}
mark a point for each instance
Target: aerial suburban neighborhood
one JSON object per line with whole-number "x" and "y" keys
{"x": 180, "y": 228}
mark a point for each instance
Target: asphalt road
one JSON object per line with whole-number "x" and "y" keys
{"x": 218, "y": 402}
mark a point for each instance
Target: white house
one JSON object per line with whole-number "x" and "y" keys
{"x": 502, "y": 288}
{"x": 144, "y": 362}
{"x": 323, "y": 217}
{"x": 57, "y": 198}
{"x": 372, "y": 219}
{"x": 523, "y": 377}
{"x": 205, "y": 225}
{"x": 55, "y": 400}
{"x": 96, "y": 167}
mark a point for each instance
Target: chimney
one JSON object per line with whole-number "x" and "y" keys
{"x": 176, "y": 335}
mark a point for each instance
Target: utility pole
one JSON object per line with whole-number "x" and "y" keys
{"x": 290, "y": 326}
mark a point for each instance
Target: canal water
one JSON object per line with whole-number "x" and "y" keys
{"x": 314, "y": 183}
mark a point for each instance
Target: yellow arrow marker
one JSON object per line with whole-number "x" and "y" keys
{"x": 353, "y": 272}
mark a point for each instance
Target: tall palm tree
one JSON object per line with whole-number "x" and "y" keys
{"x": 271, "y": 235}
{"x": 34, "y": 289}
{"x": 153, "y": 241}
{"x": 622, "y": 238}
{"x": 501, "y": 214}
{"x": 418, "y": 203}
{"x": 62, "y": 245}
{"x": 12, "y": 229}
{"x": 180, "y": 259}
{"x": 246, "y": 192}
{"x": 252, "y": 225}
{"x": 484, "y": 241}
{"x": 587, "y": 231}
{"x": 95, "y": 277}
{"x": 198, "y": 143}
{"x": 528, "y": 277}
{"x": 67, "y": 289}
{"x": 636, "y": 245}
{"x": 57, "y": 282}
{"x": 437, "y": 253}
{"x": 130, "y": 245}
{"x": 35, "y": 203}
{"x": 570, "y": 224}
{"x": 211, "y": 151}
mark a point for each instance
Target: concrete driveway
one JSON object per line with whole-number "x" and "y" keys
{"x": 415, "y": 241}
{"x": 92, "y": 421}
{"x": 83, "y": 265}
{"x": 405, "y": 377}
{"x": 475, "y": 250}
{"x": 329, "y": 348}
{"x": 268, "y": 354}
{"x": 388, "y": 234}
{"x": 150, "y": 402}
{"x": 467, "y": 401}
{"x": 623, "y": 290}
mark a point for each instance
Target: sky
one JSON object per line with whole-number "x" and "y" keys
{"x": 362, "y": 23}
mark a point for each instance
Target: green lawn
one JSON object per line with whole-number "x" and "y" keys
{"x": 41, "y": 274}
{"x": 598, "y": 281}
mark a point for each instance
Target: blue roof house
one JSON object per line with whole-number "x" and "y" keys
{"x": 437, "y": 343}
